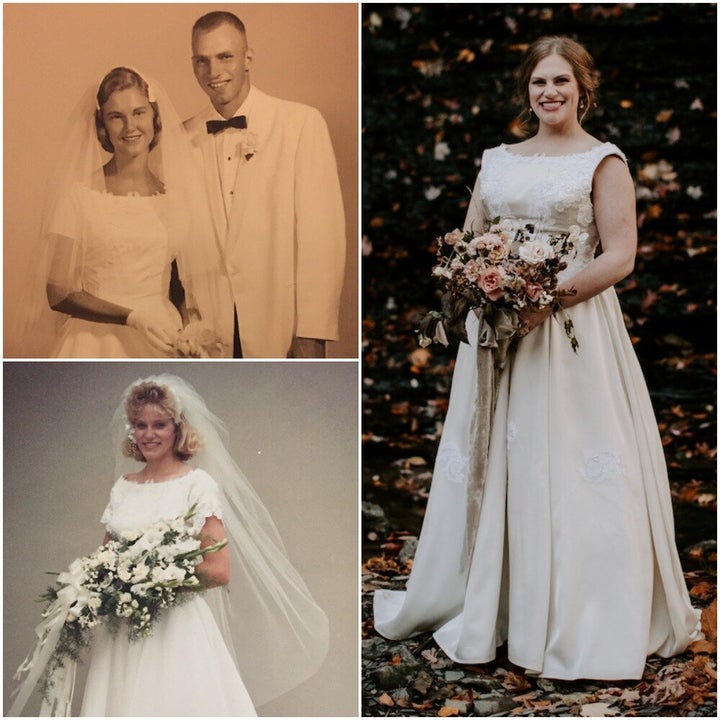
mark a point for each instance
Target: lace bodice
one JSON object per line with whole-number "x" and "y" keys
{"x": 134, "y": 506}
{"x": 552, "y": 192}
{"x": 122, "y": 247}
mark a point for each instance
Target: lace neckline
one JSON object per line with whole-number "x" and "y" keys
{"x": 133, "y": 195}
{"x": 506, "y": 149}
{"x": 172, "y": 479}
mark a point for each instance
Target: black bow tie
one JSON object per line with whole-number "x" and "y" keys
{"x": 216, "y": 126}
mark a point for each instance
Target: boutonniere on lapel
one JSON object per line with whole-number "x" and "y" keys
{"x": 248, "y": 144}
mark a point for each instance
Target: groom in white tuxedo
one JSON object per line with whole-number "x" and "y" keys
{"x": 275, "y": 197}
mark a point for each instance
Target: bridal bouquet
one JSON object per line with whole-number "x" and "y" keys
{"x": 504, "y": 270}
{"x": 197, "y": 340}
{"x": 128, "y": 581}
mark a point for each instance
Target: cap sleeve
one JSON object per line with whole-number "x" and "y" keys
{"x": 608, "y": 149}
{"x": 107, "y": 515}
{"x": 205, "y": 494}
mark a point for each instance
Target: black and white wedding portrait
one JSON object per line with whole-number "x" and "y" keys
{"x": 193, "y": 191}
{"x": 194, "y": 526}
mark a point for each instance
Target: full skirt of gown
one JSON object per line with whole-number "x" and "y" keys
{"x": 182, "y": 670}
{"x": 575, "y": 563}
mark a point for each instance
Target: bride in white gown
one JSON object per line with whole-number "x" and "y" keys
{"x": 124, "y": 203}
{"x": 574, "y": 562}
{"x": 227, "y": 649}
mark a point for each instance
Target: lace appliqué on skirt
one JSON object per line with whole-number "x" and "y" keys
{"x": 602, "y": 468}
{"x": 452, "y": 464}
{"x": 511, "y": 433}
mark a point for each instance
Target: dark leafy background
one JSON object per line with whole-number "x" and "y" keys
{"x": 437, "y": 89}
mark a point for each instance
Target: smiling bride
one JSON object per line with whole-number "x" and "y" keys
{"x": 121, "y": 210}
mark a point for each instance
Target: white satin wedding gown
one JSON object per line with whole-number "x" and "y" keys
{"x": 184, "y": 669}
{"x": 575, "y": 563}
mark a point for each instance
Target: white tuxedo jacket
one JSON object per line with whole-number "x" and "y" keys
{"x": 283, "y": 243}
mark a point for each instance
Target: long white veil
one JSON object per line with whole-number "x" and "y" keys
{"x": 276, "y": 632}
{"x": 79, "y": 165}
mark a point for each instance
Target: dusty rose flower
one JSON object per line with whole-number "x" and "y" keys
{"x": 533, "y": 291}
{"x": 490, "y": 282}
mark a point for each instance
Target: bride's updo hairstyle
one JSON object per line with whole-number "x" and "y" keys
{"x": 187, "y": 439}
{"x": 122, "y": 78}
{"x": 580, "y": 60}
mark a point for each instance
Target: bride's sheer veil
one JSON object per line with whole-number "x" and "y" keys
{"x": 277, "y": 634}
{"x": 78, "y": 169}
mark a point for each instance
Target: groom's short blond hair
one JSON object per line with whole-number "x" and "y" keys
{"x": 214, "y": 19}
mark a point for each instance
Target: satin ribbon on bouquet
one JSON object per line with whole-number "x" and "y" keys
{"x": 497, "y": 329}
{"x": 61, "y": 684}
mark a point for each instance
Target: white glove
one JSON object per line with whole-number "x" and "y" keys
{"x": 161, "y": 338}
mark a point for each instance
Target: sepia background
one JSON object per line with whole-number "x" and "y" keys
{"x": 293, "y": 431}
{"x": 52, "y": 52}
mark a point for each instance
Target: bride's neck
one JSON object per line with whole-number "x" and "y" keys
{"x": 556, "y": 141}
{"x": 559, "y": 135}
{"x": 162, "y": 469}
{"x": 130, "y": 175}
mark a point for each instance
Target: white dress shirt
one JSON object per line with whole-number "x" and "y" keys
{"x": 229, "y": 154}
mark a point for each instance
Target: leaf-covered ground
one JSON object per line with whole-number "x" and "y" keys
{"x": 437, "y": 89}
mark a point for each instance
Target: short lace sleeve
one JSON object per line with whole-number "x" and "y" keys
{"x": 205, "y": 495}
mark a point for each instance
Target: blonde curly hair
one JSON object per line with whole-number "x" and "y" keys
{"x": 187, "y": 440}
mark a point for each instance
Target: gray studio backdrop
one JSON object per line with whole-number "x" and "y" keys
{"x": 293, "y": 430}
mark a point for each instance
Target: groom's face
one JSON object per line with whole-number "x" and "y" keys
{"x": 221, "y": 60}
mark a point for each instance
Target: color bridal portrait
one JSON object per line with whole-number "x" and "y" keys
{"x": 193, "y": 193}
{"x": 180, "y": 540}
{"x": 539, "y": 386}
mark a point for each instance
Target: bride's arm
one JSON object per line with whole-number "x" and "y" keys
{"x": 214, "y": 570}
{"x": 65, "y": 294}
{"x": 82, "y": 304}
{"x": 614, "y": 209}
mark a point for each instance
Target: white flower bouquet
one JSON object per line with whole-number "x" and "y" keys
{"x": 127, "y": 582}
{"x": 508, "y": 267}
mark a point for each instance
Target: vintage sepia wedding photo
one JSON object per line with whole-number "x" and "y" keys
{"x": 181, "y": 180}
